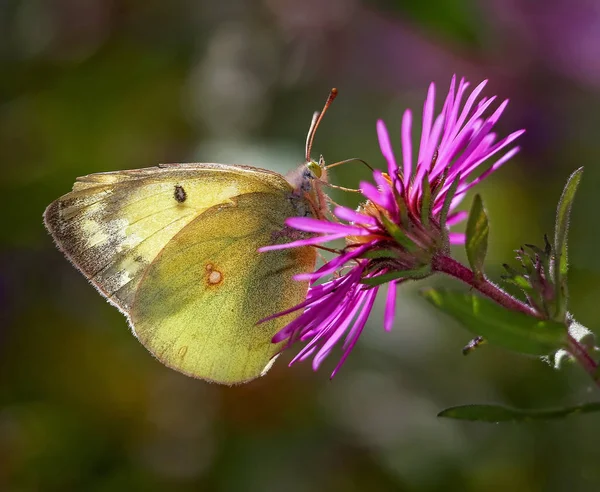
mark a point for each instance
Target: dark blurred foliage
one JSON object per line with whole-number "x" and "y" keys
{"x": 99, "y": 85}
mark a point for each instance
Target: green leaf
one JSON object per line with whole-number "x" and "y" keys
{"x": 446, "y": 207}
{"x": 477, "y": 236}
{"x": 498, "y": 413}
{"x": 420, "y": 272}
{"x": 426, "y": 200}
{"x": 561, "y": 228}
{"x": 510, "y": 329}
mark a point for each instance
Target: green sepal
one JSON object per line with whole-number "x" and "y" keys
{"x": 380, "y": 254}
{"x": 446, "y": 208}
{"x": 477, "y": 236}
{"x": 561, "y": 228}
{"x": 512, "y": 330}
{"x": 515, "y": 278}
{"x": 416, "y": 273}
{"x": 426, "y": 200}
{"x": 402, "y": 208}
{"x": 398, "y": 235}
{"x": 498, "y": 413}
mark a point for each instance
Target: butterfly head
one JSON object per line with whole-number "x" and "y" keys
{"x": 316, "y": 169}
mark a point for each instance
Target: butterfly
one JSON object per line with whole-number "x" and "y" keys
{"x": 174, "y": 248}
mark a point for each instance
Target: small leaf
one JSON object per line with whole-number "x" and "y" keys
{"x": 420, "y": 272}
{"x": 477, "y": 236}
{"x": 561, "y": 228}
{"x": 510, "y": 329}
{"x": 498, "y": 413}
{"x": 446, "y": 208}
{"x": 426, "y": 200}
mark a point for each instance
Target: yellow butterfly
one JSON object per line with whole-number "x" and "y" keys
{"x": 174, "y": 248}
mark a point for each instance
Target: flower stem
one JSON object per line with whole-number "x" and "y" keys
{"x": 448, "y": 265}
{"x": 451, "y": 267}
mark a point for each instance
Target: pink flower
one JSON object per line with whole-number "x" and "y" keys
{"x": 401, "y": 226}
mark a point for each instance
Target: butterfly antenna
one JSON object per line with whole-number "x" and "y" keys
{"x": 342, "y": 188}
{"x": 317, "y": 117}
{"x": 345, "y": 161}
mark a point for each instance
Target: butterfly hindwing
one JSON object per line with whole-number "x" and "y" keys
{"x": 198, "y": 303}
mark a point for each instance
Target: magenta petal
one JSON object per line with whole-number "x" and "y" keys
{"x": 322, "y": 226}
{"x": 432, "y": 145}
{"x": 350, "y": 215}
{"x": 454, "y": 219}
{"x": 303, "y": 242}
{"x": 407, "y": 146}
{"x": 451, "y": 116}
{"x": 334, "y": 264}
{"x": 493, "y": 150}
{"x": 427, "y": 120}
{"x": 494, "y": 167}
{"x": 386, "y": 147}
{"x": 357, "y": 328}
{"x": 457, "y": 238}
{"x": 372, "y": 193}
{"x": 468, "y": 105}
{"x": 390, "y": 307}
{"x": 348, "y": 315}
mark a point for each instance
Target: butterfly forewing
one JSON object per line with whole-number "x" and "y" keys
{"x": 113, "y": 225}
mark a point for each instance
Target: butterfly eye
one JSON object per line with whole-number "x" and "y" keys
{"x": 314, "y": 168}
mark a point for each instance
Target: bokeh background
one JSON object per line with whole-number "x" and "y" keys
{"x": 100, "y": 85}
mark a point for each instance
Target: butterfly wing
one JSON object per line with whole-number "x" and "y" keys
{"x": 114, "y": 226}
{"x": 199, "y": 301}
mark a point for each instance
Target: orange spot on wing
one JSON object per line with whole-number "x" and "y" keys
{"x": 213, "y": 276}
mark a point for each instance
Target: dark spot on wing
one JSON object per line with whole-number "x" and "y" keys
{"x": 180, "y": 194}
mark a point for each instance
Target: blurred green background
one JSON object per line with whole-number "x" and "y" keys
{"x": 100, "y": 85}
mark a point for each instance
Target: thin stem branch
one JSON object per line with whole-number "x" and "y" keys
{"x": 451, "y": 267}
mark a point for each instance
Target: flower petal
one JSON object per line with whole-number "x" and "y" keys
{"x": 454, "y": 219}
{"x": 335, "y": 263}
{"x": 372, "y": 193}
{"x": 390, "y": 307}
{"x": 350, "y": 215}
{"x": 323, "y": 226}
{"x": 457, "y": 238}
{"x": 407, "y": 146}
{"x": 303, "y": 242}
{"x": 386, "y": 147}
{"x": 358, "y": 327}
{"x": 427, "y": 120}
